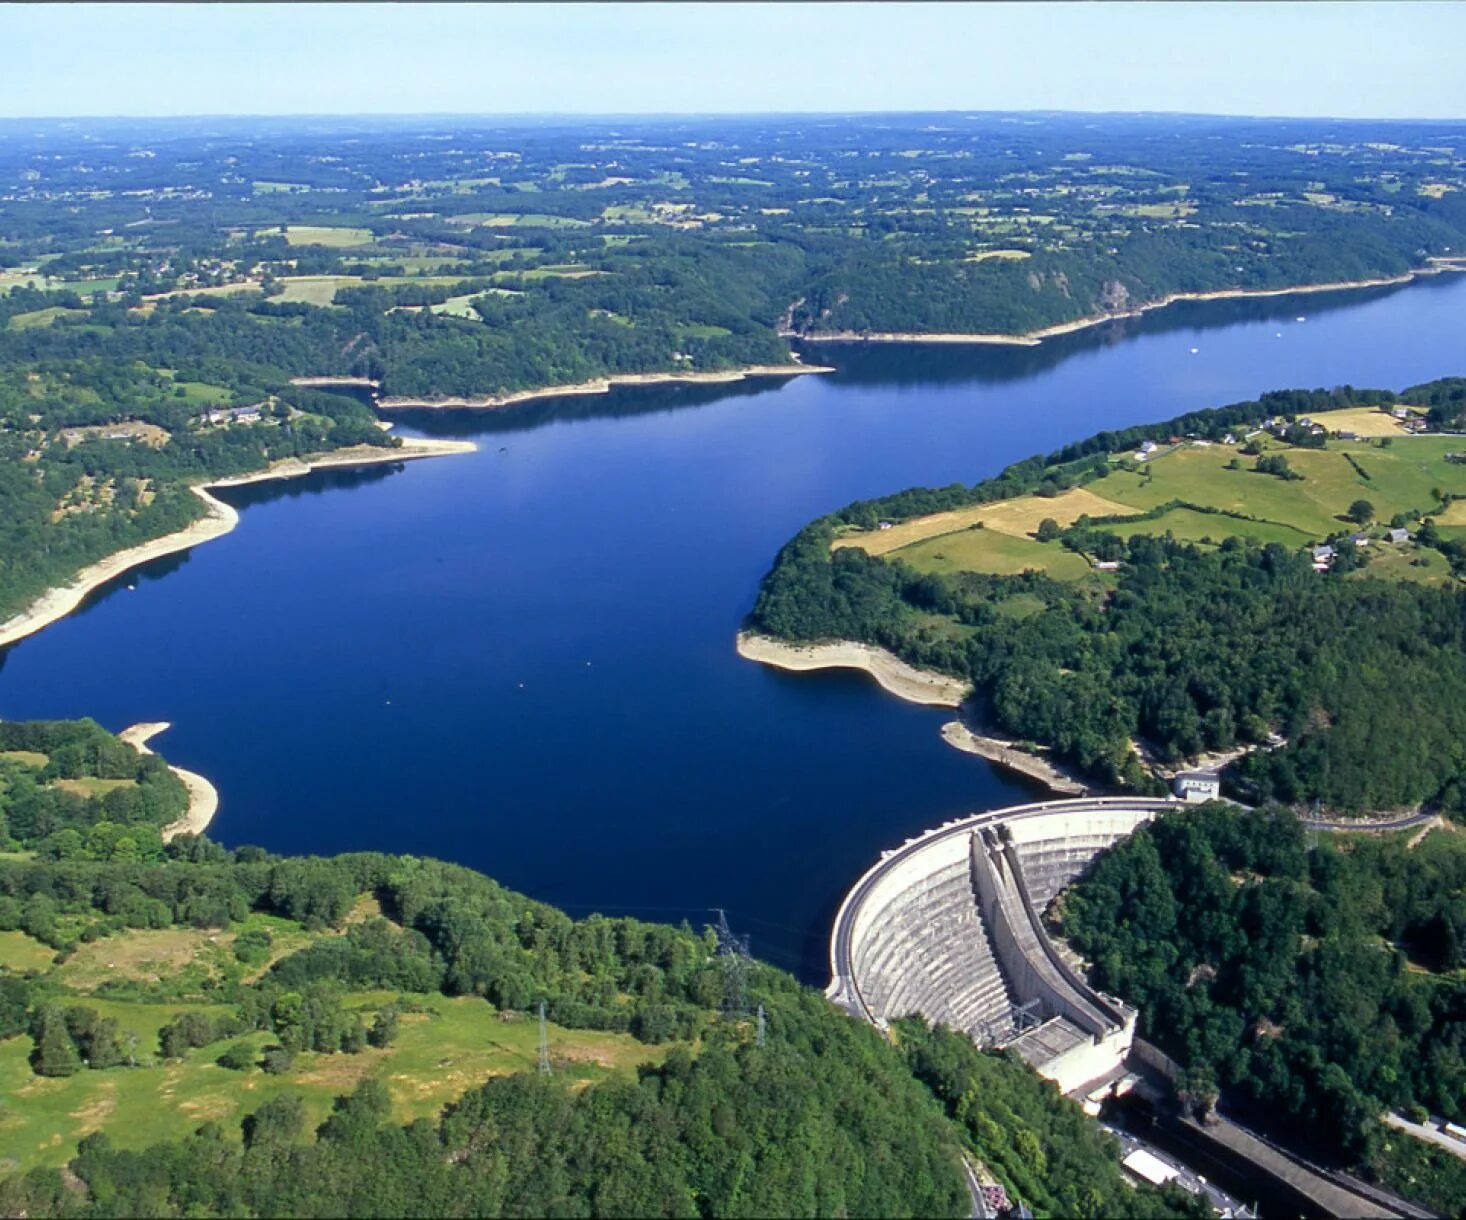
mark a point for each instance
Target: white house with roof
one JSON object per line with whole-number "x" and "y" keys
{"x": 1195, "y": 787}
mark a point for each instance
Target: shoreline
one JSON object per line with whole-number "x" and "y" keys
{"x": 1007, "y": 754}
{"x": 597, "y": 385}
{"x": 1034, "y": 338}
{"x": 894, "y": 675}
{"x": 218, "y": 519}
{"x": 203, "y": 797}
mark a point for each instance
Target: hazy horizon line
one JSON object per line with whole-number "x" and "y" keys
{"x": 612, "y": 115}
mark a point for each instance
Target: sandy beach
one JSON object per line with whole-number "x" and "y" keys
{"x": 1006, "y": 754}
{"x": 203, "y": 797}
{"x": 1033, "y": 338}
{"x": 218, "y": 520}
{"x": 602, "y": 385}
{"x": 894, "y": 675}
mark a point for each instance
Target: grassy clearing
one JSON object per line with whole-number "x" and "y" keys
{"x": 516, "y": 220}
{"x": 989, "y": 550}
{"x": 459, "y": 307}
{"x": 20, "y": 953}
{"x": 201, "y": 393}
{"x": 1188, "y": 525}
{"x": 1362, "y": 421}
{"x": 42, "y": 317}
{"x": 89, "y": 785}
{"x": 327, "y": 235}
{"x": 1420, "y": 564}
{"x": 451, "y": 1047}
{"x": 143, "y": 956}
{"x": 31, "y": 758}
{"x": 316, "y": 289}
{"x": 1454, "y": 514}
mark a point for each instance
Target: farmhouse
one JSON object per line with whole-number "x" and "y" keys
{"x": 1398, "y": 536}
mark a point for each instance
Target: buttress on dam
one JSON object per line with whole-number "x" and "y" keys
{"x": 949, "y": 925}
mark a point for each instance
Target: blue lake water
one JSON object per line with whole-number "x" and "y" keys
{"x": 522, "y": 659}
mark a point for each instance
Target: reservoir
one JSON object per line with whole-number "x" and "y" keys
{"x": 522, "y": 659}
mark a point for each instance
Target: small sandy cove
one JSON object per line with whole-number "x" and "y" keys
{"x": 894, "y": 675}
{"x": 203, "y": 797}
{"x": 217, "y": 521}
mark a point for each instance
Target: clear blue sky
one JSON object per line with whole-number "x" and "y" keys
{"x": 1349, "y": 59}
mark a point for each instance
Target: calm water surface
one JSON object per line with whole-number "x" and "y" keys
{"x": 522, "y": 659}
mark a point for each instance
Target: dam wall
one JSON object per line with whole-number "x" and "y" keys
{"x": 948, "y": 925}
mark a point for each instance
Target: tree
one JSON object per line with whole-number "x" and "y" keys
{"x": 277, "y": 1061}
{"x": 238, "y": 1058}
{"x": 384, "y": 1029}
{"x": 55, "y": 1053}
{"x": 1361, "y": 512}
{"x": 1048, "y": 530}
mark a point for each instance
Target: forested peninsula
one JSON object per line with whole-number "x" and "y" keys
{"x": 186, "y": 1030}
{"x": 1274, "y": 585}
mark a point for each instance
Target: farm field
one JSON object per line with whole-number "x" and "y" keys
{"x": 989, "y": 550}
{"x": 1362, "y": 421}
{"x": 1398, "y": 475}
{"x": 1018, "y": 517}
{"x": 316, "y": 289}
{"x": 327, "y": 235}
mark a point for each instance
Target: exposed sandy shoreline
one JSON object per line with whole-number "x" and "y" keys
{"x": 602, "y": 385}
{"x": 894, "y": 675}
{"x": 203, "y": 797}
{"x": 1006, "y": 754}
{"x": 1033, "y": 338}
{"x": 217, "y": 521}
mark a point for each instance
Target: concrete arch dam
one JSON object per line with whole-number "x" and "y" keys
{"x": 948, "y": 925}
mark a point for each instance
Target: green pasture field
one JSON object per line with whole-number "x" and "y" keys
{"x": 316, "y": 289}
{"x": 31, "y": 758}
{"x": 337, "y": 237}
{"x": 20, "y": 954}
{"x": 42, "y": 317}
{"x": 521, "y": 220}
{"x": 985, "y": 550}
{"x": 1188, "y": 525}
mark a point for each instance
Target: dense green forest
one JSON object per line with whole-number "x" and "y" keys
{"x": 1322, "y": 984}
{"x": 821, "y": 1115}
{"x": 1194, "y": 648}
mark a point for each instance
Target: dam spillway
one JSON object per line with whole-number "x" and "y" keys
{"x": 948, "y": 925}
